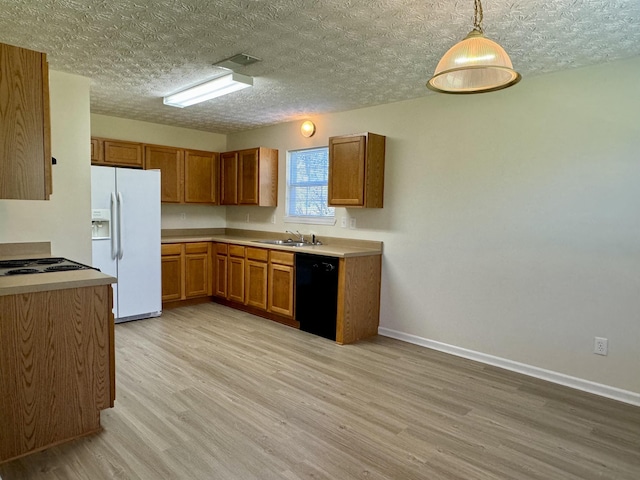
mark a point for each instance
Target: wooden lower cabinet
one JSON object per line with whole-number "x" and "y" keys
{"x": 281, "y": 283}
{"x": 256, "y": 277}
{"x": 58, "y": 367}
{"x": 172, "y": 271}
{"x": 186, "y": 271}
{"x": 196, "y": 269}
{"x": 235, "y": 268}
{"x": 220, "y": 282}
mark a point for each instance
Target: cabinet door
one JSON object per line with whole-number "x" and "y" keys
{"x": 248, "y": 177}
{"x": 196, "y": 275}
{"x": 235, "y": 283}
{"x": 172, "y": 278}
{"x": 25, "y": 137}
{"x": 220, "y": 289}
{"x": 229, "y": 178}
{"x": 256, "y": 284}
{"x": 281, "y": 281}
{"x": 346, "y": 170}
{"x": 123, "y": 154}
{"x": 170, "y": 163}
{"x": 97, "y": 151}
{"x": 200, "y": 177}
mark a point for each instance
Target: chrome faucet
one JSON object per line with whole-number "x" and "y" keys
{"x": 297, "y": 234}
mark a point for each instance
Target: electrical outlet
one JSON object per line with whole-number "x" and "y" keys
{"x": 600, "y": 346}
{"x": 248, "y": 218}
{"x": 352, "y": 223}
{"x": 343, "y": 222}
{"x": 273, "y": 218}
{"x": 183, "y": 216}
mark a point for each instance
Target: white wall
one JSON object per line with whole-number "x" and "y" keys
{"x": 64, "y": 220}
{"x": 173, "y": 216}
{"x": 511, "y": 224}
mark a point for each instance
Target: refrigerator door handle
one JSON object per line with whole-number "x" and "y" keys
{"x": 120, "y": 247}
{"x": 114, "y": 246}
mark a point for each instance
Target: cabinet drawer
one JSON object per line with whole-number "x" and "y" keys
{"x": 171, "y": 248}
{"x": 221, "y": 248}
{"x": 283, "y": 258}
{"x": 199, "y": 247}
{"x": 236, "y": 251}
{"x": 259, "y": 254}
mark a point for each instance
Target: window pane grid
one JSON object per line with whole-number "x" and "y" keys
{"x": 307, "y": 185}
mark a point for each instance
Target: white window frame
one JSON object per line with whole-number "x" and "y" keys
{"x": 306, "y": 219}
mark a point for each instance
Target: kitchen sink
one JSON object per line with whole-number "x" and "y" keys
{"x": 285, "y": 243}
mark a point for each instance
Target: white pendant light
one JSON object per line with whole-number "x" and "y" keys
{"x": 474, "y": 65}
{"x": 216, "y": 87}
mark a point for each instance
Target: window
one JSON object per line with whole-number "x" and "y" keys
{"x": 307, "y": 186}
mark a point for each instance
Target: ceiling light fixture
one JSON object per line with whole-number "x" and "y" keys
{"x": 216, "y": 87}
{"x": 308, "y": 129}
{"x": 474, "y": 65}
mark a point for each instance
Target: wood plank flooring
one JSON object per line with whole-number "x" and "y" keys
{"x": 206, "y": 392}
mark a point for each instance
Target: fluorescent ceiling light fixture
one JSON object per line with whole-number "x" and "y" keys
{"x": 228, "y": 83}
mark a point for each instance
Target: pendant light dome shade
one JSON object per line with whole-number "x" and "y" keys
{"x": 474, "y": 65}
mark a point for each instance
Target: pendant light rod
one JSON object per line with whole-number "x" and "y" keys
{"x": 474, "y": 65}
{"x": 477, "y": 16}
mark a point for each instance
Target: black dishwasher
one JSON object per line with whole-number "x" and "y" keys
{"x": 317, "y": 294}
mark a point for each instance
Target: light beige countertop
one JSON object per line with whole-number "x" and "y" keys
{"x": 332, "y": 247}
{"x": 41, "y": 282}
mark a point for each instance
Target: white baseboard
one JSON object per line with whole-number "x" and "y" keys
{"x": 551, "y": 376}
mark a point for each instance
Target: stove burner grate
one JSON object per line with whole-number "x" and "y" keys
{"x": 63, "y": 268}
{"x": 22, "y": 271}
{"x": 48, "y": 261}
{"x": 14, "y": 263}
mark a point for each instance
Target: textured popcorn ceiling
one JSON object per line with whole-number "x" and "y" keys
{"x": 317, "y": 56}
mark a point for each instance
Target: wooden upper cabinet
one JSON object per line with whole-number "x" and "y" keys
{"x": 356, "y": 170}
{"x": 229, "y": 178}
{"x": 25, "y": 131}
{"x": 122, "y": 154}
{"x": 249, "y": 177}
{"x": 169, "y": 161}
{"x": 200, "y": 177}
{"x": 97, "y": 151}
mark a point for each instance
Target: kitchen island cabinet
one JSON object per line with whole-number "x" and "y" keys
{"x": 56, "y": 362}
{"x": 25, "y": 131}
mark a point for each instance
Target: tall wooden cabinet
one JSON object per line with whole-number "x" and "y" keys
{"x": 249, "y": 177}
{"x": 356, "y": 170}
{"x": 25, "y": 132}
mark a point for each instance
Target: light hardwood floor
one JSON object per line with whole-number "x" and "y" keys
{"x": 206, "y": 392}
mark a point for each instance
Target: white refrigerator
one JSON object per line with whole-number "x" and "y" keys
{"x": 125, "y": 206}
